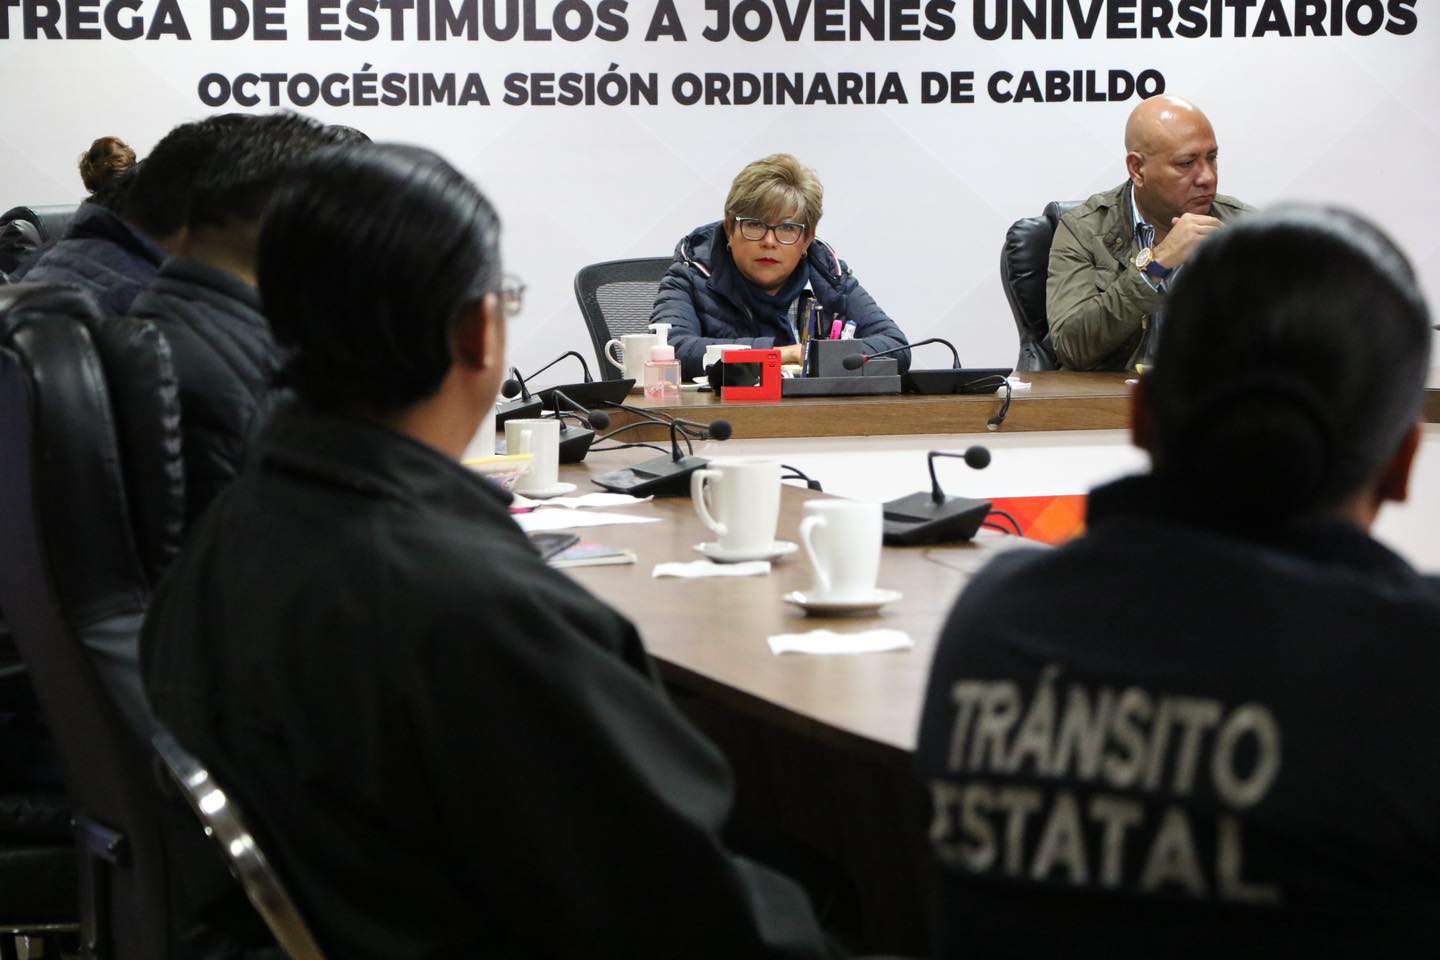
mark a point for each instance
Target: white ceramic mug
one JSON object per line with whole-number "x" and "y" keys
{"x": 743, "y": 502}
{"x": 634, "y": 351}
{"x": 713, "y": 352}
{"x": 483, "y": 443}
{"x": 540, "y": 439}
{"x": 842, "y": 539}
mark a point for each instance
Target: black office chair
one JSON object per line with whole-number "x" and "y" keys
{"x": 25, "y": 230}
{"x": 76, "y": 472}
{"x": 224, "y": 823}
{"x": 1024, "y": 264}
{"x": 616, "y": 298}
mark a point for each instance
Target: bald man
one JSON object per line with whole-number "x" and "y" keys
{"x": 1115, "y": 255}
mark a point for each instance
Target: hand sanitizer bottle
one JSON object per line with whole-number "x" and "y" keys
{"x": 662, "y": 374}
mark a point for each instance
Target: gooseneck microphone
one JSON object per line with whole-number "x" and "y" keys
{"x": 934, "y": 517}
{"x": 518, "y": 384}
{"x": 976, "y": 458}
{"x": 594, "y": 419}
{"x": 575, "y": 441}
{"x": 526, "y": 408}
{"x": 860, "y": 359}
{"x": 669, "y": 474}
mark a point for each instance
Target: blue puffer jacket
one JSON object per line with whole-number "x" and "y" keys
{"x": 699, "y": 297}
{"x": 100, "y": 253}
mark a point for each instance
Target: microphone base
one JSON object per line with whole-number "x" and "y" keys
{"x": 918, "y": 519}
{"x": 596, "y": 393}
{"x": 660, "y": 477}
{"x": 970, "y": 380}
{"x": 517, "y": 410}
{"x": 575, "y": 444}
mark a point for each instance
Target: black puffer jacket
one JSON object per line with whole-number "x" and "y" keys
{"x": 225, "y": 359}
{"x": 699, "y": 297}
{"x": 100, "y": 253}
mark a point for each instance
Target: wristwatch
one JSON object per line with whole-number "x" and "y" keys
{"x": 1146, "y": 263}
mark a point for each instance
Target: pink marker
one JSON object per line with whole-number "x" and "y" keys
{"x": 835, "y": 328}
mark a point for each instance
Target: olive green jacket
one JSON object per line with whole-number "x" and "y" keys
{"x": 1099, "y": 306}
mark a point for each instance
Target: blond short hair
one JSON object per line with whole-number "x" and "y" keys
{"x": 770, "y": 188}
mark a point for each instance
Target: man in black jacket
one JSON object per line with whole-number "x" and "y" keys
{"x": 205, "y": 303}
{"x": 448, "y": 749}
{"x": 1202, "y": 729}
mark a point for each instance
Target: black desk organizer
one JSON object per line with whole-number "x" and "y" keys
{"x": 829, "y": 378}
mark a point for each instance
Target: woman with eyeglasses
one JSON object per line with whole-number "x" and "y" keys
{"x": 750, "y": 277}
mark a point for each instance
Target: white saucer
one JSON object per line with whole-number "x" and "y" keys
{"x": 824, "y": 607}
{"x": 776, "y": 550}
{"x": 548, "y": 493}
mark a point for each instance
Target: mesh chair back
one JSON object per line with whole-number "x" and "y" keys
{"x": 616, "y": 298}
{"x": 1024, "y": 266}
{"x": 224, "y": 822}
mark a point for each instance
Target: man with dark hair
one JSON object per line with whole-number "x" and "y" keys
{"x": 205, "y": 302}
{"x": 116, "y": 253}
{"x": 448, "y": 748}
{"x": 1200, "y": 729}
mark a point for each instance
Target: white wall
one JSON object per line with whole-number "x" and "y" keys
{"x": 918, "y": 196}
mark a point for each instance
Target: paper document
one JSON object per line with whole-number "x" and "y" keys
{"x": 573, "y": 519}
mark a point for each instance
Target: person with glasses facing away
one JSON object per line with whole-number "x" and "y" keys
{"x": 744, "y": 279}
{"x": 1202, "y": 729}
{"x": 445, "y": 747}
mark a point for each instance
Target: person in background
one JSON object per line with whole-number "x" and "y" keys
{"x": 1115, "y": 255}
{"x": 446, "y": 747}
{"x": 108, "y": 159}
{"x": 205, "y": 303}
{"x": 743, "y": 279}
{"x": 1202, "y": 728}
{"x": 116, "y": 253}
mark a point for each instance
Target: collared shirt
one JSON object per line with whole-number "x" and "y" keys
{"x": 1145, "y": 237}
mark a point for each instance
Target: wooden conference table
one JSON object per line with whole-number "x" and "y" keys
{"x": 1055, "y": 400}
{"x": 823, "y": 746}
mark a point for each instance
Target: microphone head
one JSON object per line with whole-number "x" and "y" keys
{"x": 510, "y": 389}
{"x": 719, "y": 430}
{"x": 599, "y": 419}
{"x": 977, "y": 458}
{"x": 854, "y": 361}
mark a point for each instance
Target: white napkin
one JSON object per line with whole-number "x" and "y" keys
{"x": 1017, "y": 384}
{"x": 542, "y": 520}
{"x": 698, "y": 569}
{"x": 828, "y": 641}
{"x": 596, "y": 499}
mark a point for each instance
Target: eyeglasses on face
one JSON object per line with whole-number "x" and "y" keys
{"x": 787, "y": 233}
{"x": 512, "y": 295}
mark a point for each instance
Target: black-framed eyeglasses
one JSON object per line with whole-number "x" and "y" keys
{"x": 754, "y": 229}
{"x": 512, "y": 295}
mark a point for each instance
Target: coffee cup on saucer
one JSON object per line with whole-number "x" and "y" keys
{"x": 842, "y": 539}
{"x": 541, "y": 439}
{"x": 739, "y": 499}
